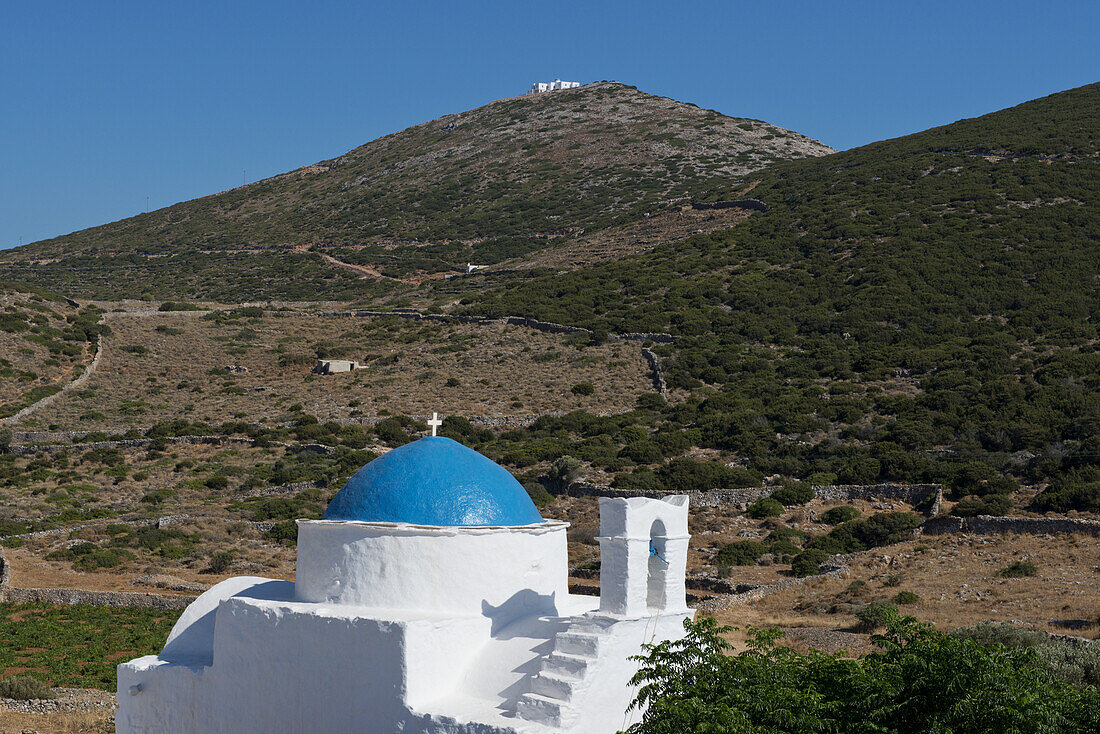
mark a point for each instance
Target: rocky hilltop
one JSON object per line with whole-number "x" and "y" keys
{"x": 581, "y": 158}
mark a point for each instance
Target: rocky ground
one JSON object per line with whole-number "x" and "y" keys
{"x": 74, "y": 711}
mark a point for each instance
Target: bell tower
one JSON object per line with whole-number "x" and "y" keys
{"x": 643, "y": 555}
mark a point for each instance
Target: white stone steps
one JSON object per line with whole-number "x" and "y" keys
{"x": 540, "y": 709}
{"x": 552, "y": 685}
{"x": 561, "y": 675}
{"x": 566, "y": 665}
{"x": 586, "y": 644}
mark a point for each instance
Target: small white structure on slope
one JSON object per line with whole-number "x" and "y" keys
{"x": 538, "y": 87}
{"x": 432, "y": 597}
{"x": 334, "y": 366}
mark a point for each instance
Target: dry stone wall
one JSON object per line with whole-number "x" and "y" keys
{"x": 547, "y": 326}
{"x": 989, "y": 525}
{"x": 751, "y": 204}
{"x": 655, "y": 365}
{"x": 9, "y": 593}
{"x": 743, "y": 497}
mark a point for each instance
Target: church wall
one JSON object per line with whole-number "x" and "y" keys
{"x": 500, "y": 573}
{"x": 167, "y": 698}
{"x": 438, "y": 655}
{"x": 285, "y": 667}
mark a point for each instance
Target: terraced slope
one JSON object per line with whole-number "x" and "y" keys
{"x": 502, "y": 178}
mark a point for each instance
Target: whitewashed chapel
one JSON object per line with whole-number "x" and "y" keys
{"x": 539, "y": 87}
{"x": 432, "y": 597}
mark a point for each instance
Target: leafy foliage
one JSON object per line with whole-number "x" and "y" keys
{"x": 918, "y": 681}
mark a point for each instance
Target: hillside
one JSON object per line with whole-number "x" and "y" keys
{"x": 45, "y": 341}
{"x": 909, "y": 310}
{"x": 496, "y": 182}
{"x": 916, "y": 312}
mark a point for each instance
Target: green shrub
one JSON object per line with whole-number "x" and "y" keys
{"x": 971, "y": 506}
{"x": 90, "y": 557}
{"x": 1075, "y": 662}
{"x": 538, "y": 494}
{"x": 784, "y": 549}
{"x": 158, "y": 495}
{"x": 989, "y": 633}
{"x": 219, "y": 562}
{"x": 1018, "y": 569}
{"x": 217, "y": 482}
{"x": 25, "y": 688}
{"x": 786, "y": 534}
{"x": 174, "y": 306}
{"x": 583, "y": 388}
{"x": 905, "y": 597}
{"x": 1076, "y": 490}
{"x": 285, "y": 532}
{"x": 884, "y": 528}
{"x": 740, "y": 553}
{"x": 793, "y": 494}
{"x": 765, "y": 507}
{"x": 808, "y": 562}
{"x": 875, "y": 615}
{"x": 840, "y": 513}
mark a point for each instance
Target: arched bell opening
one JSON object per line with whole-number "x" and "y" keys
{"x": 658, "y": 567}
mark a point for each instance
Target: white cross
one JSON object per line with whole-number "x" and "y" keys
{"x": 435, "y": 422}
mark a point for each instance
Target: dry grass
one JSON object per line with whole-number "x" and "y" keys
{"x": 12, "y": 722}
{"x": 955, "y": 578}
{"x": 499, "y": 370}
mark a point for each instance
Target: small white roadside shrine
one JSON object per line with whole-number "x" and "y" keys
{"x": 432, "y": 597}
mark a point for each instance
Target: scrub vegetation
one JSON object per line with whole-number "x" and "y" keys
{"x": 77, "y": 646}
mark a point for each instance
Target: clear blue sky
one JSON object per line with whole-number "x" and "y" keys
{"x": 103, "y": 104}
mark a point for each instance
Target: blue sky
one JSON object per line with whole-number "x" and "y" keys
{"x": 105, "y": 104}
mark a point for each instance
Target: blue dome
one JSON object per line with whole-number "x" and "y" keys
{"x": 434, "y": 481}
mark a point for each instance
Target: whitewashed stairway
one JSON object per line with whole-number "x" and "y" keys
{"x": 562, "y": 675}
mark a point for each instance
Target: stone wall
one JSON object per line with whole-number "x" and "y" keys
{"x": 743, "y": 497}
{"x": 988, "y": 525}
{"x": 95, "y": 598}
{"x": 547, "y": 326}
{"x": 655, "y": 365}
{"x": 753, "y": 204}
{"x": 216, "y": 440}
{"x": 5, "y": 571}
{"x": 9, "y": 593}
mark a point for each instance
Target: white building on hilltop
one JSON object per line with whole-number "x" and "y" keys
{"x": 432, "y": 597}
{"x": 551, "y": 86}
